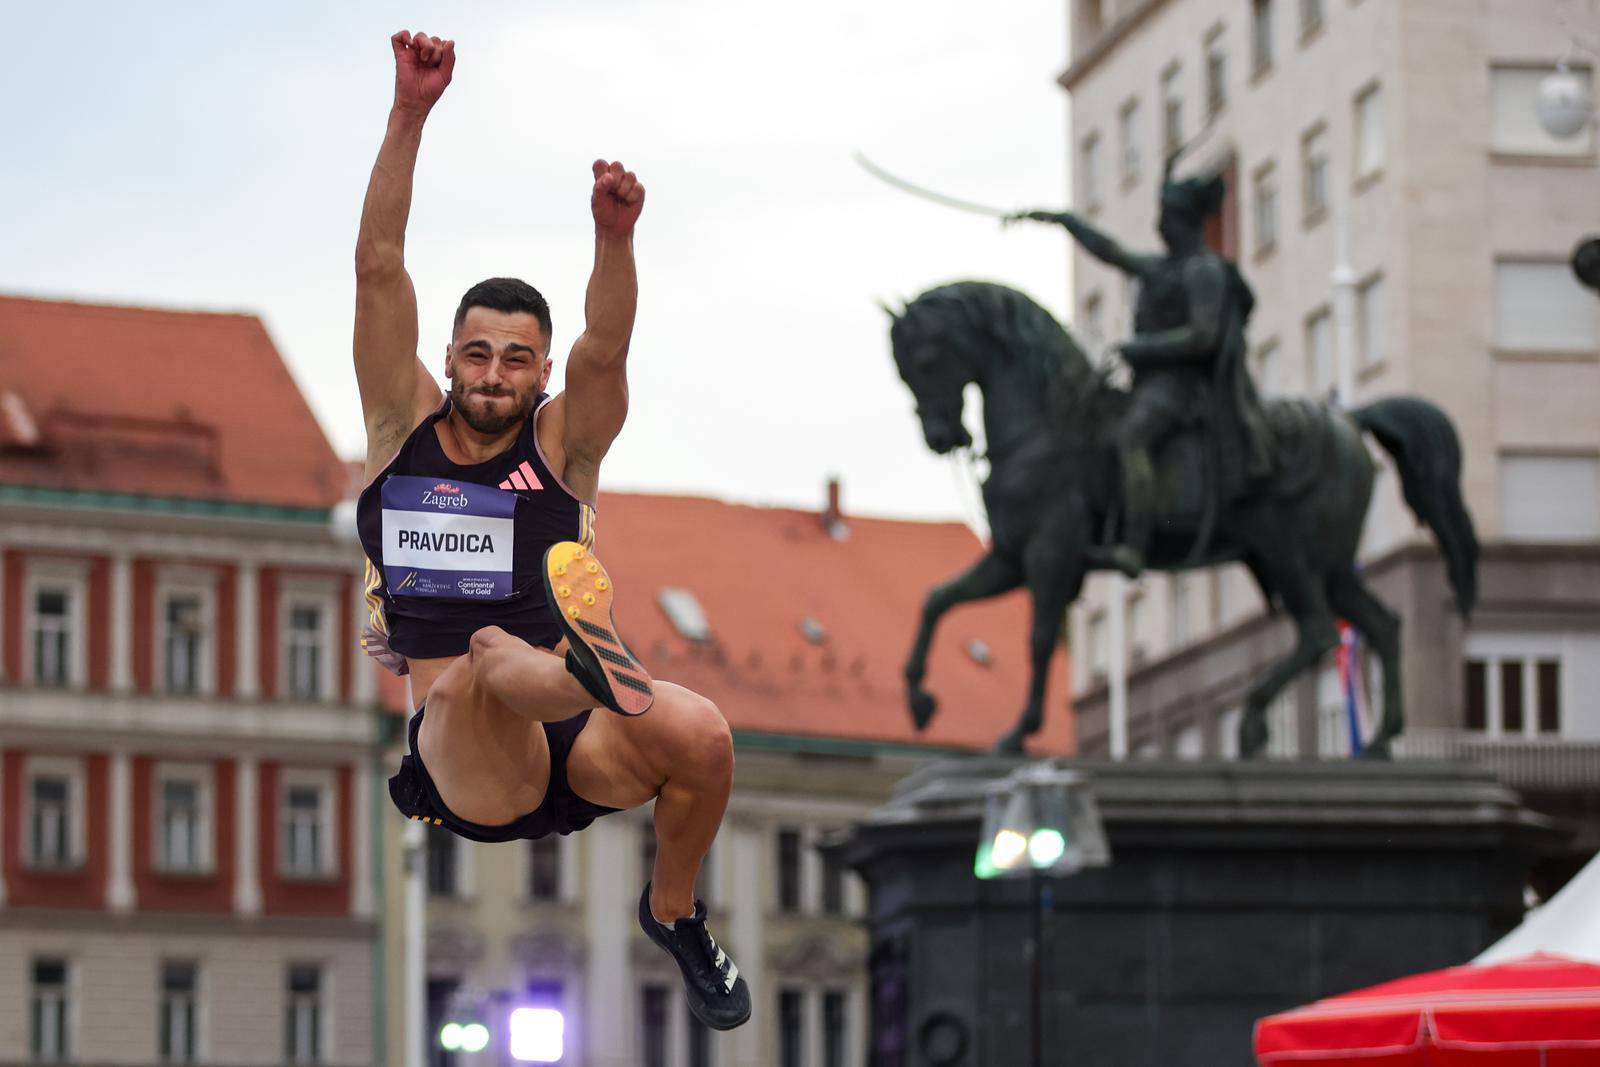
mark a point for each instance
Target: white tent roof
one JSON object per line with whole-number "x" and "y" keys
{"x": 1567, "y": 924}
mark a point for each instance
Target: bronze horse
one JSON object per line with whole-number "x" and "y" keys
{"x": 1050, "y": 420}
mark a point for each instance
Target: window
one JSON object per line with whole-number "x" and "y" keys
{"x": 1314, "y": 169}
{"x": 834, "y": 1030}
{"x": 1515, "y": 127}
{"x": 1369, "y": 132}
{"x": 1320, "y": 354}
{"x": 1547, "y": 686}
{"x": 176, "y": 1021}
{"x": 53, "y": 645}
{"x": 1138, "y": 647}
{"x": 1283, "y": 725}
{"x": 1516, "y": 695}
{"x": 1261, "y": 35}
{"x": 1128, "y": 141}
{"x": 306, "y": 844}
{"x": 789, "y": 870}
{"x": 1089, "y": 159}
{"x": 1099, "y": 647}
{"x": 183, "y": 643}
{"x": 1541, "y": 307}
{"x": 833, "y": 874}
{"x": 544, "y": 868}
{"x": 181, "y": 838}
{"x": 1216, "y": 71}
{"x": 439, "y": 1000}
{"x": 791, "y": 1028}
{"x": 55, "y": 799}
{"x": 653, "y": 1025}
{"x": 443, "y": 854}
{"x": 1182, "y": 623}
{"x": 1094, "y": 326}
{"x": 1550, "y": 497}
{"x": 1266, "y": 207}
{"x": 51, "y": 1011}
{"x": 1369, "y": 321}
{"x": 1228, "y": 733}
{"x": 1171, "y": 110}
{"x": 1269, "y": 375}
{"x": 303, "y": 1022}
{"x": 700, "y": 1047}
{"x": 1310, "y": 17}
{"x": 685, "y": 613}
{"x": 305, "y": 651}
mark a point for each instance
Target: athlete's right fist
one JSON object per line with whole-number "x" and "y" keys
{"x": 422, "y": 68}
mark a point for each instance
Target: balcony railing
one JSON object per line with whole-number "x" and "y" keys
{"x": 1521, "y": 762}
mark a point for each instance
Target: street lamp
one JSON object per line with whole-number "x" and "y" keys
{"x": 1041, "y": 821}
{"x": 1563, "y": 103}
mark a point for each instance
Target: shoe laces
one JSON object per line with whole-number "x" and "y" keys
{"x": 711, "y": 963}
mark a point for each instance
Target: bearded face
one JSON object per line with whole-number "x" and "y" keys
{"x": 496, "y": 365}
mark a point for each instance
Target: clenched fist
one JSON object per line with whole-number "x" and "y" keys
{"x": 422, "y": 69}
{"x": 617, "y": 198}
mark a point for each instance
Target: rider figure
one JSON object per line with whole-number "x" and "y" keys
{"x": 1187, "y": 352}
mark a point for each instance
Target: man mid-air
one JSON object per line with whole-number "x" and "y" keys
{"x": 477, "y": 525}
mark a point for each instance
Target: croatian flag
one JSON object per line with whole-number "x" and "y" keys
{"x": 1352, "y": 677}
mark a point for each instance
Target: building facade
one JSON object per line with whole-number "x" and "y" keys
{"x": 1406, "y": 225}
{"x": 188, "y": 740}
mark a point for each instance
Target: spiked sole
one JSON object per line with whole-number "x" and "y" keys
{"x": 579, "y": 592}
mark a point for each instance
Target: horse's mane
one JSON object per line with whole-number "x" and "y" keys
{"x": 1004, "y": 323}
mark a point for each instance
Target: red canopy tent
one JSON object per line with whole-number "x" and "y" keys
{"x": 1536, "y": 1011}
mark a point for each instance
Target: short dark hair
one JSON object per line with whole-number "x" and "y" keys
{"x": 509, "y": 295}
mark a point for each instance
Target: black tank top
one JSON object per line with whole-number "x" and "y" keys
{"x": 452, "y": 548}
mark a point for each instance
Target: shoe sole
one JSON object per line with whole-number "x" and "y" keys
{"x": 580, "y": 596}
{"x": 689, "y": 999}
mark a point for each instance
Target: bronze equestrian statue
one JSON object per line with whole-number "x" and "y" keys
{"x": 1187, "y": 468}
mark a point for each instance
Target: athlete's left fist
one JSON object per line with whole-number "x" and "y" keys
{"x": 617, "y": 199}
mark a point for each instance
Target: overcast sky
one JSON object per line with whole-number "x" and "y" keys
{"x": 215, "y": 156}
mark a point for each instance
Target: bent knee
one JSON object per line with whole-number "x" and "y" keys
{"x": 707, "y": 741}
{"x": 486, "y": 640}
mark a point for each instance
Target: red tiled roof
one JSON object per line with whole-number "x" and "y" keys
{"x": 759, "y": 572}
{"x": 157, "y": 402}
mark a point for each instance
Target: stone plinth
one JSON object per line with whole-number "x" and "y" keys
{"x": 1234, "y": 890}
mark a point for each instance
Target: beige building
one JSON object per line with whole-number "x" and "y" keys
{"x": 1406, "y": 225}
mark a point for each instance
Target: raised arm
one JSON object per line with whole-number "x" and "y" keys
{"x": 1093, "y": 241}
{"x": 396, "y": 389}
{"x": 587, "y": 417}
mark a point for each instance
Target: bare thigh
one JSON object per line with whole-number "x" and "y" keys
{"x": 623, "y": 761}
{"x": 489, "y": 764}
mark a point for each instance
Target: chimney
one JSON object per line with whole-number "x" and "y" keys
{"x": 833, "y": 517}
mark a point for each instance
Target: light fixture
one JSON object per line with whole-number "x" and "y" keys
{"x": 1040, "y": 818}
{"x": 450, "y": 1037}
{"x": 1563, "y": 104}
{"x": 538, "y": 1035}
{"x": 474, "y": 1037}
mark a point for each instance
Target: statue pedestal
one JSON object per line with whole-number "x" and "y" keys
{"x": 1234, "y": 890}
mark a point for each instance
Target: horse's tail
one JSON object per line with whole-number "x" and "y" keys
{"x": 1423, "y": 443}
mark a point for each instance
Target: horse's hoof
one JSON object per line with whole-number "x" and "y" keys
{"x": 923, "y": 705}
{"x": 1010, "y": 744}
{"x": 1252, "y": 737}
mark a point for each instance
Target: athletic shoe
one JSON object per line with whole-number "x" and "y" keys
{"x": 579, "y": 592}
{"x": 717, "y": 995}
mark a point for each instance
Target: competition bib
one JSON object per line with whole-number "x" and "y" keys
{"x": 447, "y": 539}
